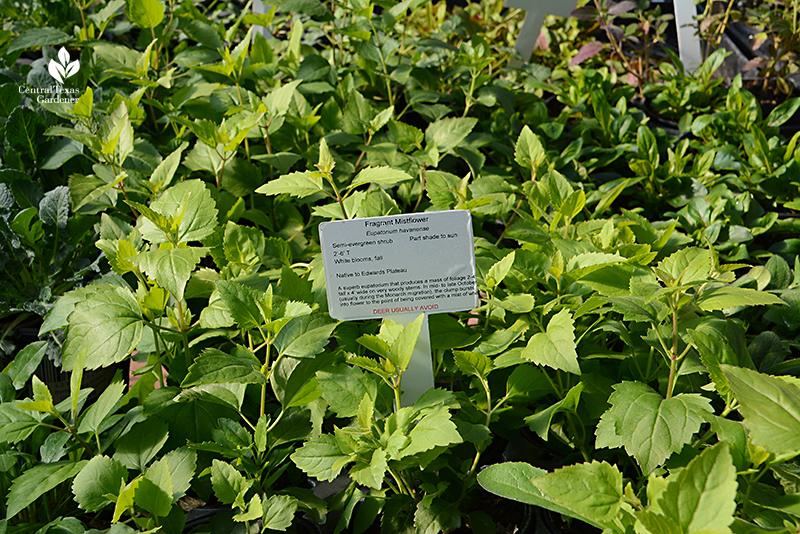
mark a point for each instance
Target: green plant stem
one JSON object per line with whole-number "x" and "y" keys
{"x": 401, "y": 484}
{"x": 159, "y": 370}
{"x": 184, "y": 335}
{"x": 396, "y": 389}
{"x": 751, "y": 481}
{"x": 72, "y": 431}
{"x": 673, "y": 363}
{"x": 489, "y": 306}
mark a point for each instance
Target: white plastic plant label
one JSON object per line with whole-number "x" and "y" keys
{"x": 399, "y": 264}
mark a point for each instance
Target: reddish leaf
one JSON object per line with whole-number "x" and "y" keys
{"x": 631, "y": 79}
{"x": 616, "y": 32}
{"x": 542, "y": 43}
{"x": 621, "y": 7}
{"x": 588, "y": 50}
{"x": 585, "y": 13}
{"x": 755, "y": 63}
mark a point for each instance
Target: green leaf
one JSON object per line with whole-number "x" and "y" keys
{"x": 556, "y": 346}
{"x": 473, "y": 363}
{"x": 99, "y": 483}
{"x": 54, "y": 207}
{"x": 403, "y": 346}
{"x": 443, "y": 189}
{"x": 529, "y": 152}
{"x": 10, "y": 98}
{"x": 379, "y": 176}
{"x": 260, "y": 435}
{"x": 119, "y": 253}
{"x": 650, "y": 427}
{"x": 441, "y": 516}
{"x": 189, "y": 202}
{"x": 573, "y": 204}
{"x": 783, "y": 112}
{"x": 102, "y": 407}
{"x": 296, "y": 184}
{"x": 254, "y": 510}
{"x": 591, "y": 490}
{"x": 213, "y": 366}
{"x": 145, "y": 13}
{"x": 83, "y": 107}
{"x": 25, "y": 363}
{"x": 446, "y": 134}
{"x": 371, "y": 474}
{"x": 141, "y": 443}
{"x": 182, "y": 464}
{"x": 771, "y": 409}
{"x": 540, "y": 421}
{"x": 688, "y": 265}
{"x": 243, "y": 245}
{"x": 23, "y": 130}
{"x": 357, "y": 114}
{"x": 527, "y": 381}
{"x": 344, "y": 387}
{"x": 720, "y": 298}
{"x": 154, "y": 492}
{"x": 15, "y": 424}
{"x": 37, "y": 481}
{"x": 500, "y": 270}
{"x": 521, "y": 303}
{"x": 305, "y": 336}
{"x": 436, "y": 429}
{"x": 37, "y": 37}
{"x": 163, "y": 174}
{"x": 243, "y": 303}
{"x": 713, "y": 351}
{"x": 515, "y": 480}
{"x": 500, "y": 340}
{"x": 125, "y": 499}
{"x": 701, "y": 498}
{"x": 228, "y": 483}
{"x": 320, "y": 458}
{"x": 170, "y": 268}
{"x": 106, "y": 326}
{"x": 279, "y": 512}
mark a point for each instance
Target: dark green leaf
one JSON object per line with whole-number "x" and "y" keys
{"x": 305, "y": 336}
{"x": 216, "y": 367}
{"x": 145, "y": 13}
{"x": 99, "y": 483}
{"x": 37, "y": 481}
{"x": 141, "y": 444}
{"x": 37, "y": 37}
{"x": 25, "y": 363}
{"x": 106, "y": 326}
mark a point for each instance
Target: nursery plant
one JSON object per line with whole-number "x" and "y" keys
{"x": 637, "y": 326}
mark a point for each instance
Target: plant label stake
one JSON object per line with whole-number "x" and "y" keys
{"x": 260, "y": 9}
{"x": 536, "y": 11}
{"x": 688, "y": 43}
{"x": 399, "y": 266}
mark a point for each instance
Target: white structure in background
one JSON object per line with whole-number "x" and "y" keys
{"x": 260, "y": 9}
{"x": 688, "y": 43}
{"x": 536, "y": 11}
